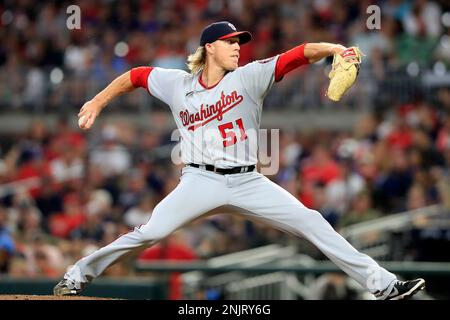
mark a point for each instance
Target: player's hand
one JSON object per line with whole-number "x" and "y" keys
{"x": 338, "y": 49}
{"x": 88, "y": 113}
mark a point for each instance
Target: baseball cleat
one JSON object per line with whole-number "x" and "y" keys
{"x": 66, "y": 288}
{"x": 403, "y": 290}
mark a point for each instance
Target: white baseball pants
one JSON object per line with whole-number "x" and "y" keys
{"x": 200, "y": 191}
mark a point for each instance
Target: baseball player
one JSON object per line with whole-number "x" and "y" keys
{"x": 217, "y": 109}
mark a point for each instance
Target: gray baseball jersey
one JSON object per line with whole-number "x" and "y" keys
{"x": 218, "y": 125}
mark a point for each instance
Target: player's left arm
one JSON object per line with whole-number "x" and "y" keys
{"x": 306, "y": 53}
{"x": 317, "y": 51}
{"x": 258, "y": 76}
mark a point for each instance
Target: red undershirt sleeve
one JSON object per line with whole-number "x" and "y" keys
{"x": 290, "y": 60}
{"x": 139, "y": 76}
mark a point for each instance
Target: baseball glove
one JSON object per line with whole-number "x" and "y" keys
{"x": 345, "y": 69}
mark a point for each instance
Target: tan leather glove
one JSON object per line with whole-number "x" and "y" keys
{"x": 345, "y": 69}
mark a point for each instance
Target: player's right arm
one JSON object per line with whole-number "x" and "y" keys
{"x": 127, "y": 82}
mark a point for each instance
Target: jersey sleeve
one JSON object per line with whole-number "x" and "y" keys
{"x": 290, "y": 60}
{"x": 258, "y": 77}
{"x": 163, "y": 83}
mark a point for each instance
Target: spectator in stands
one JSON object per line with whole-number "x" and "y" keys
{"x": 110, "y": 158}
{"x": 361, "y": 210}
{"x": 140, "y": 214}
{"x": 341, "y": 192}
{"x": 7, "y": 247}
{"x": 422, "y": 26}
{"x": 393, "y": 183}
{"x": 172, "y": 248}
{"x": 429, "y": 154}
{"x": 92, "y": 228}
{"x": 42, "y": 259}
{"x": 423, "y": 19}
{"x": 73, "y": 216}
{"x": 319, "y": 168}
{"x": 416, "y": 197}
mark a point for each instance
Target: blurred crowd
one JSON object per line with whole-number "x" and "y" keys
{"x": 46, "y": 66}
{"x": 65, "y": 193}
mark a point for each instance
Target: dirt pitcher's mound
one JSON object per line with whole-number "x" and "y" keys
{"x": 35, "y": 297}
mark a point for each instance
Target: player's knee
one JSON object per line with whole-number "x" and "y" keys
{"x": 313, "y": 217}
{"x": 316, "y": 215}
{"x": 152, "y": 234}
